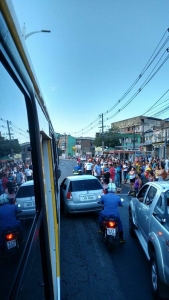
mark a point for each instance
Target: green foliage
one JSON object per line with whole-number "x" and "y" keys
{"x": 8, "y": 147}
{"x": 111, "y": 138}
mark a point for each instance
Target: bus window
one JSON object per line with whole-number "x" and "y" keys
{"x": 16, "y": 174}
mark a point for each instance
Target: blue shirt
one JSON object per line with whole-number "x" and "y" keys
{"x": 97, "y": 169}
{"x": 111, "y": 202}
{"x": 77, "y": 168}
{"x": 8, "y": 216}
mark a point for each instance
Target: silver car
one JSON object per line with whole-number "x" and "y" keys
{"x": 25, "y": 199}
{"x": 80, "y": 193}
{"x": 149, "y": 221}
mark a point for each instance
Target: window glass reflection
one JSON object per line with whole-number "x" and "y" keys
{"x": 16, "y": 180}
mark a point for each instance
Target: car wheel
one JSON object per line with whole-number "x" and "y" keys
{"x": 131, "y": 225}
{"x": 155, "y": 281}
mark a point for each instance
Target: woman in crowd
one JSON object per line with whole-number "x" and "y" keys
{"x": 117, "y": 175}
{"x": 105, "y": 173}
{"x": 10, "y": 191}
{"x": 125, "y": 171}
{"x": 137, "y": 183}
{"x": 132, "y": 176}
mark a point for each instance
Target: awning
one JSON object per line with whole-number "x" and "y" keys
{"x": 5, "y": 159}
{"x": 160, "y": 144}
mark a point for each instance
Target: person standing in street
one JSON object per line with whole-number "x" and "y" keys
{"x": 112, "y": 172}
{"x": 166, "y": 165}
{"x": 19, "y": 177}
{"x": 97, "y": 170}
{"x": 28, "y": 173}
{"x": 88, "y": 167}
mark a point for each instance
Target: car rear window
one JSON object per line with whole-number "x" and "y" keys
{"x": 83, "y": 185}
{"x": 25, "y": 191}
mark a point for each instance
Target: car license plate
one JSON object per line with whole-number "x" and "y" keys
{"x": 29, "y": 204}
{"x": 87, "y": 197}
{"x": 111, "y": 231}
{"x": 11, "y": 244}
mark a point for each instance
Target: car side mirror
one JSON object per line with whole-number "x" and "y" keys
{"x": 141, "y": 199}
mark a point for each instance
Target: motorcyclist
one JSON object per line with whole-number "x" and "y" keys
{"x": 111, "y": 201}
{"x": 8, "y": 220}
{"x": 77, "y": 169}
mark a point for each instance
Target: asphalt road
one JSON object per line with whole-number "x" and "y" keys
{"x": 88, "y": 270}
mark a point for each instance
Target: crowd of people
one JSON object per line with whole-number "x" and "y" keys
{"x": 12, "y": 175}
{"x": 137, "y": 173}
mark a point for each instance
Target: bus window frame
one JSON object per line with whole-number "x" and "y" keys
{"x": 18, "y": 74}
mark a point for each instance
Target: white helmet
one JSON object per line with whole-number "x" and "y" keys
{"x": 4, "y": 199}
{"x": 111, "y": 188}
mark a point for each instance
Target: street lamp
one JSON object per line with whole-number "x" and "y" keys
{"x": 32, "y": 32}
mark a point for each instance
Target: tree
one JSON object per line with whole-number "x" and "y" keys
{"x": 111, "y": 138}
{"x": 9, "y": 147}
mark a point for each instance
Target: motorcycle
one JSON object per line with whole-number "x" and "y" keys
{"x": 77, "y": 172}
{"x": 10, "y": 242}
{"x": 110, "y": 230}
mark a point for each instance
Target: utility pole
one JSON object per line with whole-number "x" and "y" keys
{"x": 142, "y": 120}
{"x": 134, "y": 142}
{"x": 9, "y": 133}
{"x": 102, "y": 130}
{"x": 165, "y": 145}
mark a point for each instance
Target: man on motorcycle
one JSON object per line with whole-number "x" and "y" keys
{"x": 77, "y": 169}
{"x": 111, "y": 201}
{"x": 8, "y": 220}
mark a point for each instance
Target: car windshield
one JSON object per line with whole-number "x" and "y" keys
{"x": 25, "y": 191}
{"x": 83, "y": 185}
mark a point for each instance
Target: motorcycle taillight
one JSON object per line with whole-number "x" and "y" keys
{"x": 112, "y": 224}
{"x": 9, "y": 236}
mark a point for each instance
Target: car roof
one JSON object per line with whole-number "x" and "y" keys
{"x": 81, "y": 177}
{"x": 160, "y": 184}
{"x": 29, "y": 182}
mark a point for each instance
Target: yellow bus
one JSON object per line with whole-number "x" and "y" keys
{"x": 28, "y": 138}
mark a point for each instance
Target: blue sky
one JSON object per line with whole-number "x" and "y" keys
{"x": 94, "y": 53}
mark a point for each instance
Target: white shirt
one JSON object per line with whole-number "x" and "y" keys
{"x": 88, "y": 166}
{"x": 28, "y": 172}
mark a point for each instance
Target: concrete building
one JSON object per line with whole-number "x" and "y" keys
{"x": 26, "y": 152}
{"x": 137, "y": 125}
{"x": 66, "y": 145}
{"x": 84, "y": 146}
{"x": 130, "y": 141}
{"x": 157, "y": 140}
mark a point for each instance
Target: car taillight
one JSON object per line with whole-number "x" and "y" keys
{"x": 104, "y": 191}
{"x": 69, "y": 196}
{"x": 9, "y": 236}
{"x": 112, "y": 224}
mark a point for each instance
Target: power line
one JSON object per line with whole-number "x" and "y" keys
{"x": 148, "y": 64}
{"x": 140, "y": 89}
{"x": 156, "y": 102}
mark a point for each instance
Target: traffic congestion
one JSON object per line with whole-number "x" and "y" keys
{"x": 86, "y": 185}
{"x": 130, "y": 194}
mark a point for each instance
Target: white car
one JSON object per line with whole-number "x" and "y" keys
{"x": 81, "y": 193}
{"x": 25, "y": 199}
